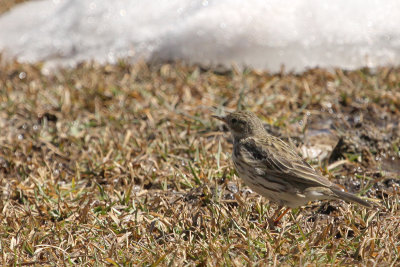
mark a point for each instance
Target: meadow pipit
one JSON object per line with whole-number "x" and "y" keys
{"x": 273, "y": 169}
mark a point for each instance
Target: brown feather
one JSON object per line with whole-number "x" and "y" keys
{"x": 273, "y": 168}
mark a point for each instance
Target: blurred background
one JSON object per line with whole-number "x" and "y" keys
{"x": 264, "y": 35}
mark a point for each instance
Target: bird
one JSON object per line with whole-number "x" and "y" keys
{"x": 273, "y": 169}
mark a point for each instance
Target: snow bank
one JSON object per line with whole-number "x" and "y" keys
{"x": 298, "y": 34}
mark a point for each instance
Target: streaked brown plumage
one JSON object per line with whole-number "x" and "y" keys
{"x": 273, "y": 169}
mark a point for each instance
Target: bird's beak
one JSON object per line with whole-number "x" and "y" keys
{"x": 221, "y": 118}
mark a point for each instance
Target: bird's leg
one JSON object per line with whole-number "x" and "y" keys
{"x": 277, "y": 212}
{"x": 276, "y": 221}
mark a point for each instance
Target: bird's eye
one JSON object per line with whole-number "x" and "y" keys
{"x": 233, "y": 121}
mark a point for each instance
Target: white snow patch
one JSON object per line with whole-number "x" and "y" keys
{"x": 263, "y": 34}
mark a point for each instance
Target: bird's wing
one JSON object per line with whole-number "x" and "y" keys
{"x": 281, "y": 162}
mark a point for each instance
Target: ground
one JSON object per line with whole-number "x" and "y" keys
{"x": 6, "y": 5}
{"x": 124, "y": 165}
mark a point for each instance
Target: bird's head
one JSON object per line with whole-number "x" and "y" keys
{"x": 242, "y": 124}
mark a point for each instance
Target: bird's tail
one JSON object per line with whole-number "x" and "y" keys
{"x": 349, "y": 197}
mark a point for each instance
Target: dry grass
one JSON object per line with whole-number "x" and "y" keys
{"x": 123, "y": 165}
